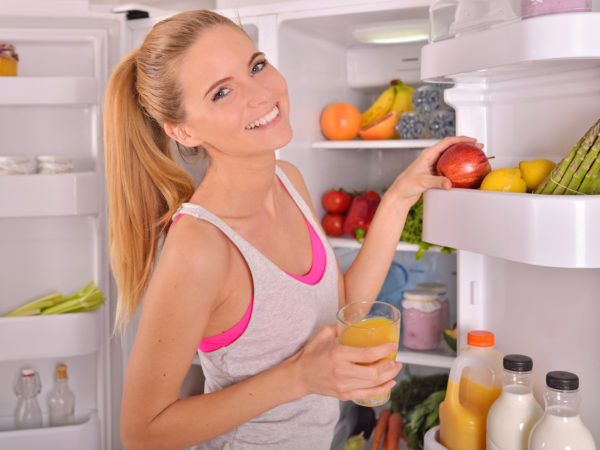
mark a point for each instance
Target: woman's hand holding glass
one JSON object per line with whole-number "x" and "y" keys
{"x": 326, "y": 367}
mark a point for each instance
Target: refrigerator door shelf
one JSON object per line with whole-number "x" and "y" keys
{"x": 348, "y": 242}
{"x": 39, "y": 195}
{"x": 84, "y": 434}
{"x": 544, "y": 230}
{"x": 376, "y": 144}
{"x": 48, "y": 91}
{"x": 523, "y": 42}
{"x": 52, "y": 336}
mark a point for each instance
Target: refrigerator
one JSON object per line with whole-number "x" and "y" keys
{"x": 527, "y": 267}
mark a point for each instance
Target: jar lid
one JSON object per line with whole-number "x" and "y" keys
{"x": 420, "y": 295}
{"x": 480, "y": 338}
{"x": 440, "y": 288}
{"x": 8, "y": 51}
{"x": 61, "y": 371}
{"x": 54, "y": 158}
{"x": 517, "y": 363}
{"x": 562, "y": 381}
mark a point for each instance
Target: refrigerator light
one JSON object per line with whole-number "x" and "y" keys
{"x": 393, "y": 32}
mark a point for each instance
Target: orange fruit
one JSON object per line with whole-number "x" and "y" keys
{"x": 384, "y": 128}
{"x": 340, "y": 121}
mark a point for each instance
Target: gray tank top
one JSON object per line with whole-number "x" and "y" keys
{"x": 286, "y": 314}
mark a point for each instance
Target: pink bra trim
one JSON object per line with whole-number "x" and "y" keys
{"x": 317, "y": 269}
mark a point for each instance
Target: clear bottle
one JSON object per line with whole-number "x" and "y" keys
{"x": 561, "y": 427}
{"x": 28, "y": 413}
{"x": 61, "y": 400}
{"x": 514, "y": 413}
{"x": 475, "y": 382}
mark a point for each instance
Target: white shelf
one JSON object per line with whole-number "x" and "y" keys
{"x": 38, "y": 195}
{"x": 528, "y": 46}
{"x": 442, "y": 356}
{"x": 84, "y": 434}
{"x": 52, "y": 336}
{"x": 375, "y": 144}
{"x": 347, "y": 242}
{"x": 544, "y": 230}
{"x": 48, "y": 90}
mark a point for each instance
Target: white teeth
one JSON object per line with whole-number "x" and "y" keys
{"x": 265, "y": 119}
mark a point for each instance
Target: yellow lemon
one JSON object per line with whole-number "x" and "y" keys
{"x": 506, "y": 180}
{"x": 535, "y": 171}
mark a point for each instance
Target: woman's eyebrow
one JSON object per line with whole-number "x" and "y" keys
{"x": 223, "y": 80}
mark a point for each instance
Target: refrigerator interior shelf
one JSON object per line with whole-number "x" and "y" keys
{"x": 543, "y": 230}
{"x": 375, "y": 144}
{"x": 49, "y": 194}
{"x": 531, "y": 45}
{"x": 52, "y": 336}
{"x": 84, "y": 434}
{"x": 48, "y": 90}
{"x": 442, "y": 356}
{"x": 347, "y": 242}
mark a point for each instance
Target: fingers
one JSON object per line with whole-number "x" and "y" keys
{"x": 367, "y": 355}
{"x": 372, "y": 392}
{"x": 436, "y": 182}
{"x": 437, "y": 149}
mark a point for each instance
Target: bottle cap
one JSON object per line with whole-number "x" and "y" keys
{"x": 61, "y": 371}
{"x": 562, "y": 381}
{"x": 517, "y": 363}
{"x": 27, "y": 372}
{"x": 480, "y": 338}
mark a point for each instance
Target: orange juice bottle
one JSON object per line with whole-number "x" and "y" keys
{"x": 475, "y": 382}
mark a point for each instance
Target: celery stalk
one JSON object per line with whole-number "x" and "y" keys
{"x": 35, "y": 307}
{"x": 90, "y": 300}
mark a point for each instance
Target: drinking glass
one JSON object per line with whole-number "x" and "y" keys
{"x": 366, "y": 324}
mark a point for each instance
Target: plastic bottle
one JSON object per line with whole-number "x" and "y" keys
{"x": 28, "y": 413}
{"x": 561, "y": 427}
{"x": 61, "y": 400}
{"x": 475, "y": 382}
{"x": 514, "y": 413}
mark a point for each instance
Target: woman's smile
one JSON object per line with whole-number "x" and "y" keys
{"x": 268, "y": 120}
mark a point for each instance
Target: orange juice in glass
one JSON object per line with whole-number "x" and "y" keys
{"x": 366, "y": 324}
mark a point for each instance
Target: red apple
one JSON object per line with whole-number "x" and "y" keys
{"x": 465, "y": 165}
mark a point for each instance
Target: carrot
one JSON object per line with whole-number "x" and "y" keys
{"x": 380, "y": 427}
{"x": 394, "y": 431}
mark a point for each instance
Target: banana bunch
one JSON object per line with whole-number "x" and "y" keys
{"x": 397, "y": 97}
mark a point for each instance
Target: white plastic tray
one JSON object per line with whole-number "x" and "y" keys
{"x": 545, "y": 230}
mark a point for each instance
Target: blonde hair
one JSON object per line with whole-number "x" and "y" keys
{"x": 144, "y": 182}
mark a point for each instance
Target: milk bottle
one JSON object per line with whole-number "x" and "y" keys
{"x": 514, "y": 413}
{"x": 561, "y": 428}
{"x": 475, "y": 382}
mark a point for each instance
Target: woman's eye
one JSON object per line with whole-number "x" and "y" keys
{"x": 220, "y": 94}
{"x": 258, "y": 67}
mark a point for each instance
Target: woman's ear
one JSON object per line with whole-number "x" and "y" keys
{"x": 181, "y": 135}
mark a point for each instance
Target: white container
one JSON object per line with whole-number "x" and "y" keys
{"x": 420, "y": 320}
{"x": 15, "y": 165}
{"x": 432, "y": 439}
{"x": 54, "y": 164}
{"x": 561, "y": 426}
{"x": 514, "y": 413}
{"x": 442, "y": 291}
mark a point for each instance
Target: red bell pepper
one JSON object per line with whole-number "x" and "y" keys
{"x": 359, "y": 216}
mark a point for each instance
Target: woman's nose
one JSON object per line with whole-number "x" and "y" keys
{"x": 258, "y": 94}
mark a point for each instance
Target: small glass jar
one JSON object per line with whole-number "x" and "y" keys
{"x": 420, "y": 320}
{"x": 54, "y": 164}
{"x": 8, "y": 60}
{"x": 15, "y": 165}
{"x": 442, "y": 292}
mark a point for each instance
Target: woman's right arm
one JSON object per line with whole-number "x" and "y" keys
{"x": 187, "y": 284}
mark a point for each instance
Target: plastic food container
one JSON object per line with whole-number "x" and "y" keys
{"x": 420, "y": 320}
{"x": 8, "y": 60}
{"x": 532, "y": 8}
{"x": 54, "y": 164}
{"x": 15, "y": 165}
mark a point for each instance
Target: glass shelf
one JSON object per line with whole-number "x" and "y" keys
{"x": 347, "y": 242}
{"x": 375, "y": 144}
{"x": 48, "y": 90}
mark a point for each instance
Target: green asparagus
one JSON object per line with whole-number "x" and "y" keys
{"x": 582, "y": 170}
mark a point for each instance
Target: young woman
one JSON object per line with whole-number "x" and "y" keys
{"x": 245, "y": 273}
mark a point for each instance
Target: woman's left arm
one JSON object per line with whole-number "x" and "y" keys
{"x": 365, "y": 277}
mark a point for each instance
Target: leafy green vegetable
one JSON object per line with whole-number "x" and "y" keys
{"x": 413, "y": 231}
{"x": 425, "y": 416}
{"x": 413, "y": 390}
{"x": 357, "y": 442}
{"x": 87, "y": 299}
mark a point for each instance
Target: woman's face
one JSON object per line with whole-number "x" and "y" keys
{"x": 235, "y": 101}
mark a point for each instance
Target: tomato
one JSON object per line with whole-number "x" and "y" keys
{"x": 332, "y": 224}
{"x": 336, "y": 201}
{"x": 373, "y": 195}
{"x": 340, "y": 121}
